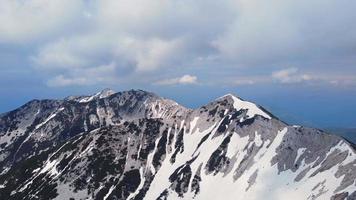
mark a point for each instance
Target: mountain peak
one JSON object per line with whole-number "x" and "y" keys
{"x": 240, "y": 104}
{"x": 100, "y": 95}
{"x": 106, "y": 92}
{"x": 136, "y": 145}
{"x": 228, "y": 95}
{"x": 86, "y": 98}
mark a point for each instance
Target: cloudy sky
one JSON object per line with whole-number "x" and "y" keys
{"x": 296, "y": 58}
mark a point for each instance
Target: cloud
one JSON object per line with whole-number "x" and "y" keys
{"x": 139, "y": 36}
{"x": 130, "y": 55}
{"x": 148, "y": 55}
{"x": 340, "y": 80}
{"x": 295, "y": 76}
{"x": 265, "y": 33}
{"x": 290, "y": 75}
{"x": 244, "y": 82}
{"x": 155, "y": 38}
{"x": 104, "y": 74}
{"x": 61, "y": 81}
{"x": 146, "y": 35}
{"x": 61, "y": 54}
{"x": 184, "y": 80}
{"x": 77, "y": 51}
{"x": 23, "y": 21}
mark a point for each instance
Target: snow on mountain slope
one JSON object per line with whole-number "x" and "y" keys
{"x": 136, "y": 145}
{"x": 252, "y": 109}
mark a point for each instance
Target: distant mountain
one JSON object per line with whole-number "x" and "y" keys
{"x": 137, "y": 145}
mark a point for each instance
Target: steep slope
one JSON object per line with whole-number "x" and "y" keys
{"x": 136, "y": 145}
{"x": 39, "y": 125}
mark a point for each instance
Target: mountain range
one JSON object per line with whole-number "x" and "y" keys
{"x": 137, "y": 145}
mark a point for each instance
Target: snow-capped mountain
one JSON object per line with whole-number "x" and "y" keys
{"x": 137, "y": 145}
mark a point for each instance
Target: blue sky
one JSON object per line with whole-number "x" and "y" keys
{"x": 296, "y": 58}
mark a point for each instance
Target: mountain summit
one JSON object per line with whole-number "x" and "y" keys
{"x": 137, "y": 145}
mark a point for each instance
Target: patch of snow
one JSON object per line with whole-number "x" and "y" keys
{"x": 49, "y": 118}
{"x": 5, "y": 170}
{"x": 193, "y": 124}
{"x": 252, "y": 109}
{"x": 258, "y": 139}
{"x": 50, "y": 167}
{"x": 87, "y": 150}
{"x": 106, "y": 93}
{"x": 109, "y": 192}
{"x": 65, "y": 191}
{"x": 190, "y": 144}
{"x": 300, "y": 152}
{"x": 149, "y": 164}
{"x": 140, "y": 186}
{"x": 87, "y": 99}
{"x": 36, "y": 170}
{"x": 25, "y": 186}
{"x": 213, "y": 187}
{"x": 100, "y": 95}
{"x": 93, "y": 119}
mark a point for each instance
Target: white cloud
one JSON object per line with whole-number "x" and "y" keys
{"x": 251, "y": 80}
{"x": 188, "y": 79}
{"x": 294, "y": 76}
{"x": 104, "y": 74}
{"x": 150, "y": 54}
{"x": 140, "y": 36}
{"x": 84, "y": 50}
{"x": 61, "y": 81}
{"x": 129, "y": 54}
{"x": 244, "y": 82}
{"x": 261, "y": 31}
{"x": 60, "y": 54}
{"x": 22, "y": 21}
{"x": 155, "y": 38}
{"x": 290, "y": 75}
{"x": 184, "y": 80}
{"x": 269, "y": 32}
{"x": 339, "y": 80}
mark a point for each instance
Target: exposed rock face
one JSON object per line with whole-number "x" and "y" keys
{"x": 136, "y": 145}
